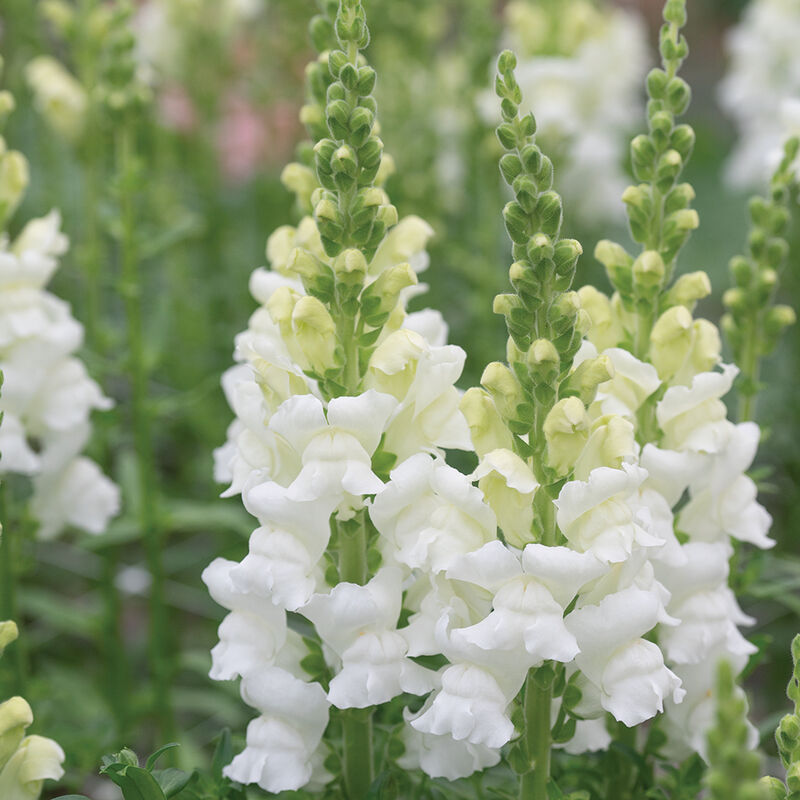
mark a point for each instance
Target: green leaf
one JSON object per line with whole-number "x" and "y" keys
{"x": 172, "y": 780}
{"x": 136, "y": 783}
{"x": 223, "y": 754}
{"x": 151, "y": 761}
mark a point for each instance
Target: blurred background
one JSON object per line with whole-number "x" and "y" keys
{"x": 227, "y": 87}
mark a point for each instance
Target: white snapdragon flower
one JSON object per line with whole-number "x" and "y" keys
{"x": 694, "y": 417}
{"x": 359, "y": 623}
{"x": 688, "y": 722}
{"x": 595, "y": 515}
{"x": 705, "y": 606}
{"x": 627, "y": 672}
{"x": 761, "y": 89}
{"x": 442, "y": 756}
{"x": 282, "y": 747}
{"x": 529, "y": 597}
{"x": 421, "y": 377}
{"x": 429, "y": 512}
{"x": 48, "y": 396}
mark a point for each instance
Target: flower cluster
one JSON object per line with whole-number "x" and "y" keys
{"x": 48, "y": 395}
{"x": 25, "y": 761}
{"x": 581, "y": 70}
{"x": 761, "y": 90}
{"x": 336, "y": 382}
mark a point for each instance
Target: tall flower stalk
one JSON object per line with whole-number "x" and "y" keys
{"x": 336, "y": 383}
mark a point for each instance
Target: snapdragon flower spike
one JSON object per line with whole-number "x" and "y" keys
{"x": 340, "y": 396}
{"x": 48, "y": 396}
{"x": 754, "y": 323}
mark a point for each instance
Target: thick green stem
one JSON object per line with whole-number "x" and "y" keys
{"x": 115, "y": 672}
{"x": 357, "y": 762}
{"x": 9, "y": 555}
{"x": 159, "y": 633}
{"x": 538, "y": 703}
{"x": 357, "y": 723}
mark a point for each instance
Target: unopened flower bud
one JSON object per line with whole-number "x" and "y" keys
{"x": 13, "y": 182}
{"x": 670, "y": 340}
{"x": 589, "y": 375}
{"x": 539, "y": 248}
{"x": 772, "y": 788}
{"x": 300, "y": 180}
{"x": 316, "y": 275}
{"x": 566, "y": 430}
{"x": 543, "y": 362}
{"x": 8, "y": 632}
{"x": 380, "y": 297}
{"x": 504, "y": 388}
{"x": 611, "y": 441}
{"x": 58, "y": 96}
{"x": 689, "y": 288}
{"x": 15, "y": 717}
{"x": 618, "y": 264}
{"x": 350, "y": 267}
{"x": 777, "y": 318}
{"x": 315, "y": 333}
{"x": 566, "y": 254}
{"x": 735, "y": 299}
{"x": 648, "y": 272}
{"x": 486, "y": 426}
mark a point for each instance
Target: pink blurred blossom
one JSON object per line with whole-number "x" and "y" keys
{"x": 241, "y": 139}
{"x": 176, "y": 110}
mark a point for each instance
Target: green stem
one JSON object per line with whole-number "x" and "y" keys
{"x": 159, "y": 632}
{"x": 115, "y": 672}
{"x": 750, "y": 367}
{"x": 537, "y": 735}
{"x": 621, "y": 783}
{"x": 356, "y": 723}
{"x": 9, "y": 546}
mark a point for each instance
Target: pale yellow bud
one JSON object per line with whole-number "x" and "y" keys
{"x": 589, "y": 375}
{"x": 649, "y": 270}
{"x": 611, "y": 255}
{"x": 8, "y": 632}
{"x": 280, "y": 244}
{"x": 405, "y": 242}
{"x": 7, "y": 104}
{"x": 610, "y": 442}
{"x": 566, "y": 430}
{"x": 350, "y": 266}
{"x": 513, "y": 353}
{"x": 15, "y": 717}
{"x": 670, "y": 341}
{"x": 606, "y": 329}
{"x": 315, "y": 333}
{"x": 504, "y": 388}
{"x": 508, "y": 484}
{"x": 542, "y": 351}
{"x": 58, "y": 96}
{"x": 300, "y": 180}
{"x": 688, "y": 289}
{"x": 13, "y": 182}
{"x": 385, "y": 170}
{"x": 486, "y": 426}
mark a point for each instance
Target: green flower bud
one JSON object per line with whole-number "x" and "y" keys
{"x": 675, "y": 12}
{"x": 793, "y": 777}
{"x": 360, "y": 123}
{"x": 350, "y": 267}
{"x": 531, "y": 158}
{"x": 549, "y": 212}
{"x": 543, "y": 362}
{"x": 566, "y": 429}
{"x": 648, "y": 272}
{"x": 588, "y": 375}
{"x": 566, "y": 255}
{"x": 736, "y": 300}
{"x": 776, "y": 252}
{"x": 511, "y": 167}
{"x": 321, "y": 33}
{"x": 661, "y": 124}
{"x": 486, "y": 426}
{"x": 643, "y": 156}
{"x": 316, "y": 275}
{"x": 667, "y": 170}
{"x": 526, "y": 192}
{"x": 540, "y": 248}
{"x": 772, "y": 788}
{"x": 344, "y": 160}
{"x": 678, "y": 95}
{"x": 678, "y": 197}
{"x": 688, "y": 289}
{"x": 777, "y": 319}
{"x": 657, "y": 83}
{"x": 742, "y": 271}
{"x": 682, "y": 140}
{"x": 618, "y": 264}
{"x": 765, "y": 285}
{"x": 517, "y": 222}
{"x": 379, "y": 299}
{"x": 506, "y": 62}
{"x": 7, "y": 104}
